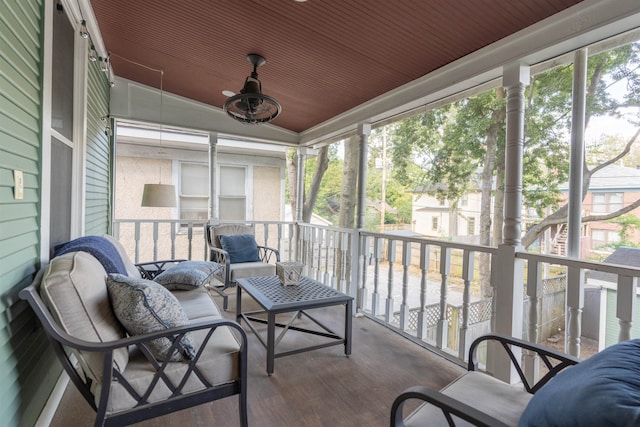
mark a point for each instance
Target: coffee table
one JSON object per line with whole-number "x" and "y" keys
{"x": 275, "y": 298}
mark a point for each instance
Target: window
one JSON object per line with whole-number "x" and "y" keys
{"x": 194, "y": 192}
{"x": 232, "y": 196}
{"x": 471, "y": 226}
{"x": 600, "y": 238}
{"x": 441, "y": 202}
{"x": 606, "y": 202}
{"x": 62, "y": 121}
{"x": 464, "y": 200}
{"x": 434, "y": 223}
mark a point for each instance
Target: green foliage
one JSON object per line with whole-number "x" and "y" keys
{"x": 440, "y": 151}
{"x": 328, "y": 201}
{"x": 628, "y": 223}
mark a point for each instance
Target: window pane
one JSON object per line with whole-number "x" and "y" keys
{"x": 194, "y": 180}
{"x": 599, "y": 204}
{"x": 232, "y": 181}
{"x": 471, "y": 226}
{"x": 60, "y": 216}
{"x": 232, "y": 209}
{"x": 615, "y": 202}
{"x": 194, "y": 208}
{"x": 62, "y": 76}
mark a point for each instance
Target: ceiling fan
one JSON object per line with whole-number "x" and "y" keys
{"x": 251, "y": 105}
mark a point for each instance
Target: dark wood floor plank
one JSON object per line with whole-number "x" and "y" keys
{"x": 319, "y": 388}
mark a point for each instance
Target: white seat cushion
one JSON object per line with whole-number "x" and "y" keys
{"x": 481, "y": 391}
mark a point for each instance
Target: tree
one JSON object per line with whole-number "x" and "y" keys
{"x": 321, "y": 164}
{"x": 448, "y": 144}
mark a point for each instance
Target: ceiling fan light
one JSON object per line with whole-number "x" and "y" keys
{"x": 251, "y": 106}
{"x": 251, "y": 86}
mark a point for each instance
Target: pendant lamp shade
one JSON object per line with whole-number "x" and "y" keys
{"x": 159, "y": 196}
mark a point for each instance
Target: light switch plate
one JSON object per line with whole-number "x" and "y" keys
{"x": 18, "y": 180}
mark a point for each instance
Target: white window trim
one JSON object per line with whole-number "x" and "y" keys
{"x": 79, "y": 130}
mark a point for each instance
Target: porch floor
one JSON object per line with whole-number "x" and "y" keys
{"x": 317, "y": 388}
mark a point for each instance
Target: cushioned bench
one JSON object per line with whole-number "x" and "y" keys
{"x": 142, "y": 349}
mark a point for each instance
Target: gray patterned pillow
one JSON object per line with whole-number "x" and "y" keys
{"x": 187, "y": 275}
{"x": 144, "y": 306}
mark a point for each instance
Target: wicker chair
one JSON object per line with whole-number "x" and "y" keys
{"x": 230, "y": 271}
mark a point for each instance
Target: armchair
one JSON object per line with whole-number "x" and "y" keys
{"x": 238, "y": 261}
{"x": 477, "y": 398}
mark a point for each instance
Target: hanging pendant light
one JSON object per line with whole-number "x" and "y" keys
{"x": 159, "y": 195}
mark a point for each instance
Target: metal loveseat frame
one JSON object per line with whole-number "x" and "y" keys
{"x": 191, "y": 388}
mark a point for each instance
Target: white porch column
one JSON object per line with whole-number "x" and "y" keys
{"x": 301, "y": 153}
{"x": 214, "y": 215}
{"x": 507, "y": 272}
{"x": 575, "y": 276}
{"x": 364, "y": 130}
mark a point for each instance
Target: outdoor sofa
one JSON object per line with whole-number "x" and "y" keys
{"x": 136, "y": 349}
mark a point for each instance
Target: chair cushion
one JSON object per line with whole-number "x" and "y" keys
{"x": 241, "y": 248}
{"x": 187, "y": 275}
{"x": 227, "y": 230}
{"x": 144, "y": 306}
{"x": 603, "y": 390}
{"x": 481, "y": 391}
{"x": 197, "y": 303}
{"x": 74, "y": 289}
{"x": 251, "y": 269}
{"x": 219, "y": 364}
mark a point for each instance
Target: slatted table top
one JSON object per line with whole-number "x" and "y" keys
{"x": 308, "y": 293}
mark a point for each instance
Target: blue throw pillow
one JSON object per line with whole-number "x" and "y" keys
{"x": 187, "y": 275}
{"x": 604, "y": 390}
{"x": 241, "y": 248}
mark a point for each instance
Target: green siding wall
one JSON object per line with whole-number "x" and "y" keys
{"x": 98, "y": 157}
{"x": 28, "y": 369}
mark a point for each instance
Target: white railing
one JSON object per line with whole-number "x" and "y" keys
{"x": 427, "y": 289}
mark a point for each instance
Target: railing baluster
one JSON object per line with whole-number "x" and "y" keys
{"x": 424, "y": 269}
{"x": 336, "y": 247}
{"x": 391, "y": 257}
{"x": 190, "y": 240}
{"x": 362, "y": 279}
{"x": 319, "y": 268}
{"x": 327, "y": 245}
{"x": 344, "y": 256}
{"x": 172, "y": 226}
{"x": 468, "y": 258}
{"x": 155, "y": 240}
{"x": 377, "y": 255}
{"x": 575, "y": 304}
{"x": 137, "y": 240}
{"x": 312, "y": 249}
{"x": 404, "y": 306}
{"x": 266, "y": 234}
{"x": 279, "y": 241}
{"x": 534, "y": 292}
{"x": 625, "y": 305}
{"x": 443, "y": 324}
